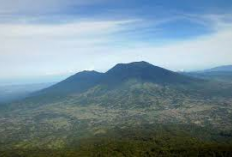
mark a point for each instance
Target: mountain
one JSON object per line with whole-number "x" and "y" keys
{"x": 134, "y": 109}
{"x": 145, "y": 72}
{"x": 120, "y": 73}
{"x": 227, "y": 68}
{"x": 221, "y": 74}
{"x": 75, "y": 84}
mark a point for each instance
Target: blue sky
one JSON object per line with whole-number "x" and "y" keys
{"x": 48, "y": 38}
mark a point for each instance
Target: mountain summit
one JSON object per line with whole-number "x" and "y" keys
{"x": 141, "y": 71}
{"x": 145, "y": 72}
{"x": 77, "y": 83}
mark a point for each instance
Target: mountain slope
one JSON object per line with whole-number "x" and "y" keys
{"x": 119, "y": 74}
{"x": 142, "y": 71}
{"x": 135, "y": 95}
{"x": 77, "y": 83}
{"x": 145, "y": 72}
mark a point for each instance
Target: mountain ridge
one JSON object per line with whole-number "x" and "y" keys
{"x": 83, "y": 80}
{"x": 225, "y": 68}
{"x": 135, "y": 100}
{"x": 143, "y": 71}
{"x": 220, "y": 73}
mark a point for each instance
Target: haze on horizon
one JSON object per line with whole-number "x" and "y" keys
{"x": 47, "y": 38}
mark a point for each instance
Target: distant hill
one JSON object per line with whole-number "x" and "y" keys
{"x": 222, "y": 74}
{"x": 227, "y": 68}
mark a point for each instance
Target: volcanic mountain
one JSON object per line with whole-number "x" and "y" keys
{"x": 137, "y": 103}
{"x": 119, "y": 74}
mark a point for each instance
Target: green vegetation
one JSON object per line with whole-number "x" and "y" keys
{"x": 133, "y": 114}
{"x": 143, "y": 141}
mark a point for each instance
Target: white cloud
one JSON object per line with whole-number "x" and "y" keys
{"x": 42, "y": 49}
{"x": 203, "y": 52}
{"x": 215, "y": 22}
{"x": 50, "y": 48}
{"x": 61, "y": 30}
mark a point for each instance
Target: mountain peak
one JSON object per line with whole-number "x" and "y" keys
{"x": 129, "y": 66}
{"x": 77, "y": 83}
{"x": 137, "y": 64}
{"x": 143, "y": 71}
{"x": 87, "y": 72}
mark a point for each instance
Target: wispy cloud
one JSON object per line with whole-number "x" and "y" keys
{"x": 27, "y": 46}
{"x": 34, "y": 44}
{"x": 42, "y": 49}
{"x": 62, "y": 30}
